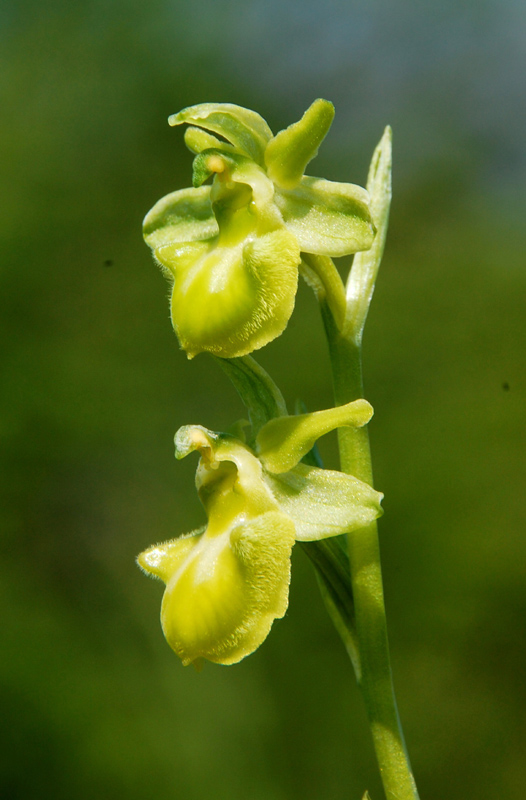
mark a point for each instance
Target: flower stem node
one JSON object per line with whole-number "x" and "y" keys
{"x": 228, "y": 581}
{"x": 232, "y": 249}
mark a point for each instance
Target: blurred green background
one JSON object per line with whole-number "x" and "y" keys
{"x": 93, "y": 387}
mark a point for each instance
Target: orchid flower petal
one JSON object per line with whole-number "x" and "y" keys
{"x": 197, "y": 140}
{"x": 283, "y": 441}
{"x": 289, "y": 152}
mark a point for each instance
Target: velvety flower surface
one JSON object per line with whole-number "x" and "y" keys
{"x": 227, "y": 582}
{"x": 232, "y": 249}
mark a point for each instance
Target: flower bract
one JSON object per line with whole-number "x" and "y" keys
{"x": 227, "y": 582}
{"x": 232, "y": 249}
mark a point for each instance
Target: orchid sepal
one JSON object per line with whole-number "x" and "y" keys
{"x": 246, "y": 130}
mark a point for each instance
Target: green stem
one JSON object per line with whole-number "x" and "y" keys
{"x": 374, "y": 676}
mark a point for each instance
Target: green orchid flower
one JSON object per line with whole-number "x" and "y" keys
{"x": 232, "y": 249}
{"x": 227, "y": 582}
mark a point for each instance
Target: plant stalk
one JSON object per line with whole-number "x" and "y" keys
{"x": 374, "y": 676}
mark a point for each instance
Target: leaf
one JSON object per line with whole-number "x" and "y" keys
{"x": 257, "y": 390}
{"x": 362, "y": 277}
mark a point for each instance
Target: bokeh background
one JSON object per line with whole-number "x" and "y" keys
{"x": 93, "y": 387}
